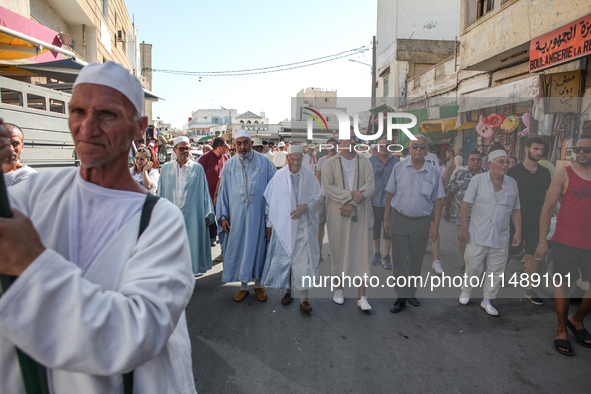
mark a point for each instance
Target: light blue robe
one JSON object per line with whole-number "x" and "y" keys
{"x": 241, "y": 202}
{"x": 196, "y": 206}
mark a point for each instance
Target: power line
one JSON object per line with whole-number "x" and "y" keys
{"x": 271, "y": 69}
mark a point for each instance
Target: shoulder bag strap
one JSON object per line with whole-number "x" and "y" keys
{"x": 151, "y": 201}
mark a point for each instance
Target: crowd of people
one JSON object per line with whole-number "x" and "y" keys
{"x": 84, "y": 238}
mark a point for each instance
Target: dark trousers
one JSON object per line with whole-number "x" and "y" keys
{"x": 409, "y": 243}
{"x": 213, "y": 228}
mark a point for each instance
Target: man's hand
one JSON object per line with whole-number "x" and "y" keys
{"x": 215, "y": 200}
{"x": 358, "y": 196}
{"x": 386, "y": 225}
{"x": 268, "y": 233}
{"x": 346, "y": 210}
{"x": 516, "y": 239}
{"x": 5, "y": 146}
{"x": 465, "y": 236}
{"x": 226, "y": 226}
{"x": 542, "y": 252}
{"x": 446, "y": 214}
{"x": 433, "y": 234}
{"x": 20, "y": 244}
{"x": 299, "y": 211}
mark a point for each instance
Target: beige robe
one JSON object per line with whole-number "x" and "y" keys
{"x": 349, "y": 241}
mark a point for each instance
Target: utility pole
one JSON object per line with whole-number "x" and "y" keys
{"x": 373, "y": 75}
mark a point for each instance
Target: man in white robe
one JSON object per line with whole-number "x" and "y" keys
{"x": 93, "y": 300}
{"x": 348, "y": 183}
{"x": 292, "y": 255}
{"x": 183, "y": 182}
{"x": 240, "y": 210}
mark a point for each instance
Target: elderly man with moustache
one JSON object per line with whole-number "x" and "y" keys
{"x": 101, "y": 290}
{"x": 14, "y": 171}
{"x": 240, "y": 210}
{"x": 292, "y": 256}
{"x": 495, "y": 201}
{"x": 183, "y": 182}
{"x": 415, "y": 191}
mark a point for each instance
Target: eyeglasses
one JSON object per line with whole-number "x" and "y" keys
{"x": 139, "y": 159}
{"x": 501, "y": 162}
{"x": 585, "y": 149}
{"x": 183, "y": 149}
{"x": 417, "y": 146}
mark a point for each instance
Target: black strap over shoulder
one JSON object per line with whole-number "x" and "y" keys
{"x": 151, "y": 201}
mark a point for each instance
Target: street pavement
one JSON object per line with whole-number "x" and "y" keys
{"x": 440, "y": 346}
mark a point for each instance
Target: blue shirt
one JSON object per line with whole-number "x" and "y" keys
{"x": 381, "y": 174}
{"x": 415, "y": 190}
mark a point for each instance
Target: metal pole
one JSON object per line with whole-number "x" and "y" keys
{"x": 373, "y": 75}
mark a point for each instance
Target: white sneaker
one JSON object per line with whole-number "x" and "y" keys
{"x": 339, "y": 297}
{"x": 489, "y": 309}
{"x": 437, "y": 267}
{"x": 363, "y": 304}
{"x": 464, "y": 298}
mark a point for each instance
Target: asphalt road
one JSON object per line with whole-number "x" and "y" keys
{"x": 440, "y": 346}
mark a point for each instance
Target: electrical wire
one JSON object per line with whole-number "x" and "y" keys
{"x": 265, "y": 70}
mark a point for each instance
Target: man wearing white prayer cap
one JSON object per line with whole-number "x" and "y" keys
{"x": 309, "y": 160}
{"x": 292, "y": 198}
{"x": 280, "y": 157}
{"x": 184, "y": 183}
{"x": 495, "y": 201}
{"x": 95, "y": 267}
{"x": 240, "y": 210}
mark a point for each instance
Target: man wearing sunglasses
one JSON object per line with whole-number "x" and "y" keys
{"x": 415, "y": 190}
{"x": 184, "y": 183}
{"x": 571, "y": 242}
{"x": 495, "y": 200}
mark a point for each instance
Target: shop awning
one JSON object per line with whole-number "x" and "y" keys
{"x": 12, "y": 48}
{"x": 204, "y": 138}
{"x": 65, "y": 70}
{"x": 468, "y": 125}
{"x": 444, "y": 125}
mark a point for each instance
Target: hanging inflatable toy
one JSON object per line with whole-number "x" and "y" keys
{"x": 526, "y": 119}
{"x": 485, "y": 130}
{"x": 510, "y": 123}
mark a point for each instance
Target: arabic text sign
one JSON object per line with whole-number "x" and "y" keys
{"x": 563, "y": 92}
{"x": 561, "y": 45}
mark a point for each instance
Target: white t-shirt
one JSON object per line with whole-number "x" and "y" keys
{"x": 139, "y": 178}
{"x": 97, "y": 213}
{"x": 16, "y": 176}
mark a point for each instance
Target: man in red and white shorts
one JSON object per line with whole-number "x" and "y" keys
{"x": 571, "y": 242}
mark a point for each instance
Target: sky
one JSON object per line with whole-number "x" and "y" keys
{"x": 234, "y": 35}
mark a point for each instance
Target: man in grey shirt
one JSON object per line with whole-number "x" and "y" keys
{"x": 415, "y": 190}
{"x": 14, "y": 171}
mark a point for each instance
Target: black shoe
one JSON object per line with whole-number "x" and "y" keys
{"x": 397, "y": 307}
{"x": 413, "y": 301}
{"x": 212, "y": 242}
{"x": 220, "y": 257}
{"x": 533, "y": 297}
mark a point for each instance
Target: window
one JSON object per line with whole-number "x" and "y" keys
{"x": 242, "y": 121}
{"x": 328, "y": 118}
{"x": 326, "y": 99}
{"x": 36, "y": 102}
{"x": 248, "y": 122}
{"x": 105, "y": 7}
{"x": 11, "y": 97}
{"x": 386, "y": 86}
{"x": 256, "y": 122}
{"x": 57, "y": 106}
{"x": 476, "y": 9}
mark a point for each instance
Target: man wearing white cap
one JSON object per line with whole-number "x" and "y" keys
{"x": 309, "y": 160}
{"x": 240, "y": 210}
{"x": 184, "y": 183}
{"x": 101, "y": 290}
{"x": 280, "y": 157}
{"x": 292, "y": 257}
{"x": 495, "y": 200}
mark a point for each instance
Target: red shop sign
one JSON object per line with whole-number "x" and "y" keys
{"x": 564, "y": 44}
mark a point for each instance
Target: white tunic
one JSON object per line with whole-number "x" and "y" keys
{"x": 126, "y": 312}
